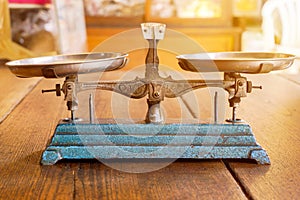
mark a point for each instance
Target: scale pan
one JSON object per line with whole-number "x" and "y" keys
{"x": 64, "y": 65}
{"x": 239, "y": 62}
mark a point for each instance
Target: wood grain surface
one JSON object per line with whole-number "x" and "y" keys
{"x": 23, "y": 139}
{"x": 24, "y": 135}
{"x": 12, "y": 90}
{"x": 274, "y": 114}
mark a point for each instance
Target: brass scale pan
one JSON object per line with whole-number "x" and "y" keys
{"x": 63, "y": 65}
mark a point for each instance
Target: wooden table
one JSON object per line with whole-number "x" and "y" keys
{"x": 28, "y": 120}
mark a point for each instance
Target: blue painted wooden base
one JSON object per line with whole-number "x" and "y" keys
{"x": 117, "y": 141}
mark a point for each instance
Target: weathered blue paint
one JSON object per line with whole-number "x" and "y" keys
{"x": 117, "y": 141}
{"x": 66, "y": 140}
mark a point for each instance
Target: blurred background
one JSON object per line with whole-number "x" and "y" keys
{"x": 69, "y": 26}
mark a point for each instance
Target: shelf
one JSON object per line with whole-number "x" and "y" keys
{"x": 114, "y": 21}
{"x": 211, "y": 39}
{"x": 28, "y": 6}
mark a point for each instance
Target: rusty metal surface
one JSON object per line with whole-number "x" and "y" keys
{"x": 64, "y": 65}
{"x": 239, "y": 62}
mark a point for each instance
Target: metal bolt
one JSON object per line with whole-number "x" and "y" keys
{"x": 156, "y": 94}
{"x": 69, "y": 87}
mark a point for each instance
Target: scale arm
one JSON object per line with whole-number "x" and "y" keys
{"x": 176, "y": 88}
{"x": 134, "y": 89}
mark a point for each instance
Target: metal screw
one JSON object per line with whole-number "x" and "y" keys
{"x": 52, "y": 90}
{"x": 257, "y": 87}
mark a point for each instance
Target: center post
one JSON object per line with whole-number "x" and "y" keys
{"x": 153, "y": 32}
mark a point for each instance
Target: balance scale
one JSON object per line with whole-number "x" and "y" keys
{"x": 153, "y": 139}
